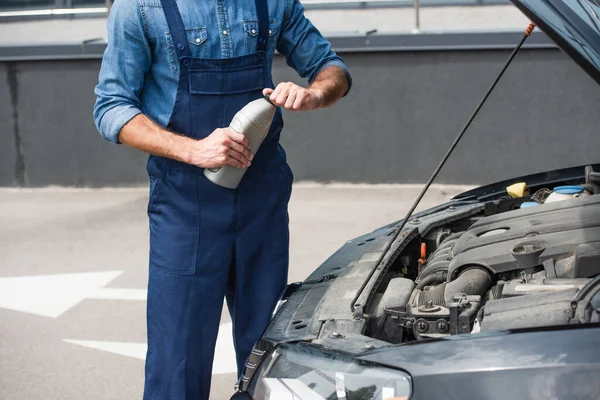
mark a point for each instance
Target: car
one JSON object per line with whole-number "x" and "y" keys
{"x": 493, "y": 295}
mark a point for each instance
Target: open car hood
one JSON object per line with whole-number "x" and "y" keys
{"x": 573, "y": 24}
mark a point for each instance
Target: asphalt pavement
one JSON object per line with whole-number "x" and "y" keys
{"x": 73, "y": 270}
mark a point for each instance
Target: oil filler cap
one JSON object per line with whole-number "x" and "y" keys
{"x": 429, "y": 307}
{"x": 527, "y": 254}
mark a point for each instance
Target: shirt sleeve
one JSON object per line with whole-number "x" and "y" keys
{"x": 126, "y": 61}
{"x": 304, "y": 47}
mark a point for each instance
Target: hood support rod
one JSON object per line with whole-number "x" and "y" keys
{"x": 464, "y": 129}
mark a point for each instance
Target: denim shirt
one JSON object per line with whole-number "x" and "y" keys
{"x": 140, "y": 70}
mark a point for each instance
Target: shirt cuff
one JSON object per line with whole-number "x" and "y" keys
{"x": 114, "y": 119}
{"x": 338, "y": 63}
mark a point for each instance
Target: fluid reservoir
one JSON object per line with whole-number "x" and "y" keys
{"x": 565, "y": 193}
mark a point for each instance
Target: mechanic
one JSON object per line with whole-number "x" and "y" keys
{"x": 172, "y": 77}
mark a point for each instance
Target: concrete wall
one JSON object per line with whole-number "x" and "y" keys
{"x": 7, "y": 130}
{"x": 404, "y": 111}
{"x": 59, "y": 142}
{"x": 407, "y": 108}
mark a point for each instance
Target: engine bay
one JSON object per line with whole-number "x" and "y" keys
{"x": 523, "y": 261}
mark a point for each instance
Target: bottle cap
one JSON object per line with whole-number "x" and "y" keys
{"x": 268, "y": 98}
{"x": 528, "y": 204}
{"x": 568, "y": 189}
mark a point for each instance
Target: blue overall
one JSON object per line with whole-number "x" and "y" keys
{"x": 207, "y": 242}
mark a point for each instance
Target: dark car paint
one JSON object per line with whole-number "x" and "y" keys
{"x": 552, "y": 363}
{"x": 318, "y": 306}
{"x": 574, "y": 25}
{"x": 301, "y": 319}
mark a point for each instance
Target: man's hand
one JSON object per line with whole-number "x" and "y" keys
{"x": 327, "y": 88}
{"x": 295, "y": 98}
{"x": 222, "y": 147}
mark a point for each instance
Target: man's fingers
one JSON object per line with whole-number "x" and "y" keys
{"x": 237, "y": 160}
{"x": 238, "y": 151}
{"x": 282, "y": 96}
{"x": 239, "y": 138}
{"x": 276, "y": 92}
{"x": 289, "y": 103}
{"x": 234, "y": 163}
{"x": 299, "y": 101}
{"x": 242, "y": 150}
{"x": 291, "y": 96}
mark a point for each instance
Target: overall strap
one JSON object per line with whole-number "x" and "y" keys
{"x": 177, "y": 28}
{"x": 262, "y": 11}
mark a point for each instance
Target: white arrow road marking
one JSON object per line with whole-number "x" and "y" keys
{"x": 127, "y": 349}
{"x": 51, "y": 295}
{"x": 224, "y": 353}
{"x": 119, "y": 294}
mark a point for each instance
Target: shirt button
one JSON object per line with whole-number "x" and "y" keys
{"x": 270, "y": 32}
{"x": 225, "y": 33}
{"x": 253, "y": 31}
{"x": 198, "y": 40}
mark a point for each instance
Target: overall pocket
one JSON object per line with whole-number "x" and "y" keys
{"x": 196, "y": 37}
{"x": 280, "y": 232}
{"x": 227, "y": 81}
{"x": 174, "y": 217}
{"x": 154, "y": 167}
{"x": 286, "y": 171}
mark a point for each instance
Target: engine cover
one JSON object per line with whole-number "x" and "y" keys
{"x": 528, "y": 237}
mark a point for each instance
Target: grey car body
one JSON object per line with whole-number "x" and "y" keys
{"x": 487, "y": 296}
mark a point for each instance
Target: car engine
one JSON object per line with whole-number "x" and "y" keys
{"x": 519, "y": 263}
